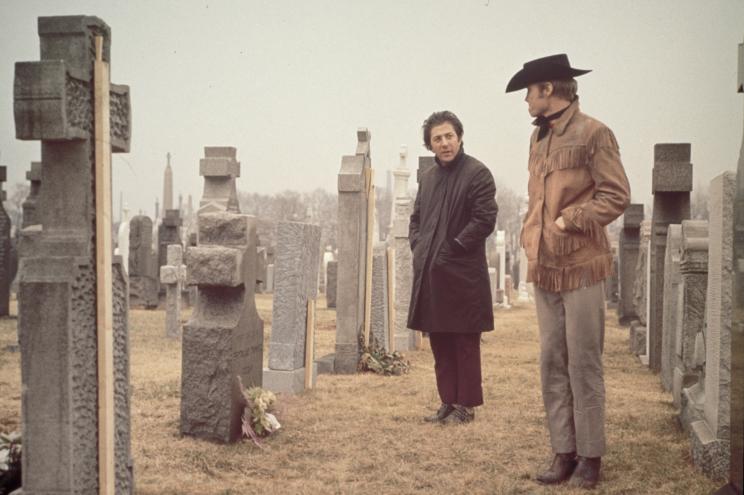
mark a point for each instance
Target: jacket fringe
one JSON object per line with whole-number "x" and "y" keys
{"x": 556, "y": 279}
{"x": 590, "y": 228}
{"x": 564, "y": 243}
{"x": 559, "y": 159}
{"x": 603, "y": 138}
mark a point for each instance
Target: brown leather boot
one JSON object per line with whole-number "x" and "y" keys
{"x": 586, "y": 474}
{"x": 561, "y": 469}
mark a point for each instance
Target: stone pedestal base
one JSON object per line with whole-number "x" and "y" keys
{"x": 709, "y": 453}
{"x": 325, "y": 364}
{"x": 287, "y": 382}
{"x": 638, "y": 340}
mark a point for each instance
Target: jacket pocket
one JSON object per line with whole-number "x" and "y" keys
{"x": 561, "y": 242}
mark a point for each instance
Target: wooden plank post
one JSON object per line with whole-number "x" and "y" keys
{"x": 309, "y": 343}
{"x": 104, "y": 276}
{"x": 370, "y": 175}
{"x": 391, "y": 297}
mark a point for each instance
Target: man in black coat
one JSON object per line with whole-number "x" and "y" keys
{"x": 455, "y": 211}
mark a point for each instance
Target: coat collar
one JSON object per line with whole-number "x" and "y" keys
{"x": 560, "y": 124}
{"x": 455, "y": 161}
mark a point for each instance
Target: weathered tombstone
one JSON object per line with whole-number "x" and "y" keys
{"x": 525, "y": 288}
{"x": 331, "y": 276}
{"x": 501, "y": 297}
{"x": 403, "y": 207}
{"x": 123, "y": 239}
{"x": 672, "y": 279}
{"x": 327, "y": 257}
{"x": 379, "y": 324}
{"x": 629, "y": 244}
{"x": 5, "y": 255}
{"x": 261, "y": 266}
{"x": 143, "y": 266}
{"x": 736, "y": 476}
{"x": 219, "y": 168}
{"x": 690, "y": 321}
{"x": 638, "y": 328}
{"x": 493, "y": 277}
{"x": 671, "y": 185}
{"x": 172, "y": 277}
{"x": 352, "y": 247}
{"x": 168, "y": 233}
{"x": 611, "y": 283}
{"x": 711, "y": 435}
{"x": 223, "y": 340}
{"x": 54, "y": 103}
{"x": 295, "y": 284}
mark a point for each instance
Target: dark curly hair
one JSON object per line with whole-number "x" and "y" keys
{"x": 439, "y": 118}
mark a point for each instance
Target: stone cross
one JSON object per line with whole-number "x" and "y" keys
{"x": 54, "y": 103}
{"x": 672, "y": 280}
{"x": 219, "y": 168}
{"x": 352, "y": 246}
{"x": 5, "y": 249}
{"x": 172, "y": 276}
{"x": 671, "y": 185}
{"x": 403, "y": 207}
{"x": 223, "y": 340}
{"x": 711, "y": 435}
{"x": 693, "y": 267}
{"x": 143, "y": 264}
{"x": 167, "y": 186}
{"x": 629, "y": 244}
{"x": 295, "y": 284}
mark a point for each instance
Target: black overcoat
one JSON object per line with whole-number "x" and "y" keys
{"x": 454, "y": 212}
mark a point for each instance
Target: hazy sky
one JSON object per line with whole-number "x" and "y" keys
{"x": 288, "y": 83}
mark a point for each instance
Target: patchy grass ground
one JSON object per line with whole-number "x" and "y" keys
{"x": 362, "y": 434}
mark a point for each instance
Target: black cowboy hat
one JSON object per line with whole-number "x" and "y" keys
{"x": 552, "y": 68}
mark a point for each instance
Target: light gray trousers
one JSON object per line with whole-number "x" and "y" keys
{"x": 571, "y": 343}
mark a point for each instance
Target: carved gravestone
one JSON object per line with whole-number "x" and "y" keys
{"x": 736, "y": 476}
{"x": 219, "y": 167}
{"x": 671, "y": 185}
{"x": 711, "y": 435}
{"x": 638, "y": 330}
{"x": 169, "y": 232}
{"x": 627, "y": 258}
{"x": 223, "y": 340}
{"x": 690, "y": 321}
{"x": 379, "y": 324}
{"x": 172, "y": 277}
{"x": 331, "y": 281}
{"x": 295, "y": 283}
{"x": 5, "y": 250}
{"x": 53, "y": 103}
{"x": 403, "y": 207}
{"x": 672, "y": 279}
{"x": 143, "y": 265}
{"x": 352, "y": 248}
{"x": 261, "y": 266}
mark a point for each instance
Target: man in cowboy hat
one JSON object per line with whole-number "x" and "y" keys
{"x": 577, "y": 185}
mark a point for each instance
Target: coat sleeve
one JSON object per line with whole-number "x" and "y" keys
{"x": 415, "y": 220}
{"x": 611, "y": 188}
{"x": 483, "y": 211}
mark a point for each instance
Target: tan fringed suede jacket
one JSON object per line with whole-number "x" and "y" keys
{"x": 575, "y": 172}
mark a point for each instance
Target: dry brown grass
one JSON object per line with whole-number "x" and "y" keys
{"x": 363, "y": 434}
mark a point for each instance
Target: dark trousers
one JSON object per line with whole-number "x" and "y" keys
{"x": 457, "y": 367}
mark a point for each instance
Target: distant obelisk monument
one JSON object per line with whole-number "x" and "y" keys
{"x": 167, "y": 187}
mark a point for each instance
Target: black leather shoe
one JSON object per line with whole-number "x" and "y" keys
{"x": 586, "y": 474}
{"x": 561, "y": 469}
{"x": 444, "y": 411}
{"x": 460, "y": 415}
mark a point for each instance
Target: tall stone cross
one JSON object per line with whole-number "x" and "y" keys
{"x": 54, "y": 102}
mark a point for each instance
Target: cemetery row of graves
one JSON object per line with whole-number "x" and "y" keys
{"x": 678, "y": 288}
